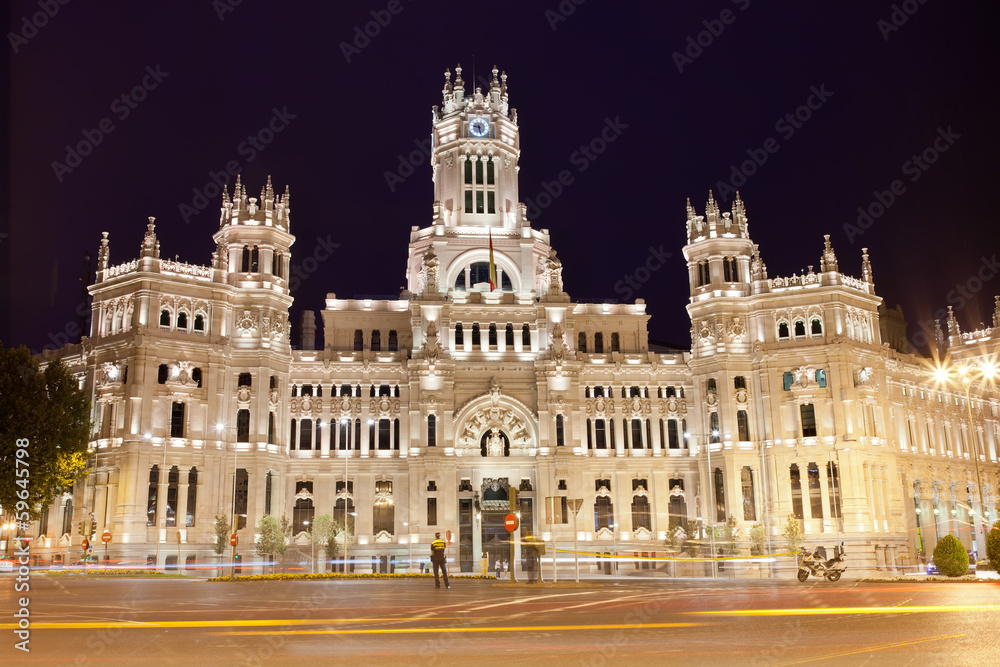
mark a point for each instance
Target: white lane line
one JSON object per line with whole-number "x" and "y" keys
{"x": 495, "y": 604}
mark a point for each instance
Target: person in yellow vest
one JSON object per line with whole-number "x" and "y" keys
{"x": 438, "y": 560}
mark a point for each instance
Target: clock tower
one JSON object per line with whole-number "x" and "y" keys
{"x": 476, "y": 148}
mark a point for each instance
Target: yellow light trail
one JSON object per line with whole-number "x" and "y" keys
{"x": 513, "y": 628}
{"x": 824, "y": 611}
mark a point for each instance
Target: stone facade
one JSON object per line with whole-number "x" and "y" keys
{"x": 420, "y": 413}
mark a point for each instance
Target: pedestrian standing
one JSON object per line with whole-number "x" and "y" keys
{"x": 438, "y": 560}
{"x": 505, "y": 567}
{"x": 498, "y": 568}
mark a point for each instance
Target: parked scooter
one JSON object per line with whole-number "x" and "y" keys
{"x": 817, "y": 565}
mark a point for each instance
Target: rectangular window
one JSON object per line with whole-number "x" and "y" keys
{"x": 268, "y": 483}
{"x": 240, "y": 501}
{"x": 743, "y": 423}
{"x": 306, "y": 431}
{"x": 431, "y": 430}
{"x": 636, "y": 434}
{"x": 479, "y": 202}
{"x": 525, "y": 337}
{"x": 171, "y": 513}
{"x": 808, "y": 413}
{"x": 599, "y": 343}
{"x": 192, "y": 499}
{"x": 787, "y": 380}
{"x": 600, "y": 434}
{"x": 604, "y": 514}
{"x": 673, "y": 437}
{"x": 615, "y": 343}
{"x": 560, "y": 432}
{"x": 243, "y": 425}
{"x": 749, "y": 502}
{"x": 177, "y": 420}
{"x": 468, "y": 170}
{"x": 359, "y": 340}
{"x": 468, "y": 201}
{"x": 590, "y": 438}
{"x": 376, "y": 341}
{"x": 383, "y": 434}
{"x": 815, "y": 496}
{"x": 796, "y": 484}
{"x": 393, "y": 340}
{"x": 432, "y": 511}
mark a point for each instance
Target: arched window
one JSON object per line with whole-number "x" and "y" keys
{"x": 525, "y": 337}
{"x": 783, "y": 330}
{"x": 716, "y": 434}
{"x": 196, "y": 376}
{"x": 493, "y": 335}
{"x": 164, "y": 318}
{"x": 199, "y": 323}
{"x": 720, "y": 496}
{"x": 376, "y": 344}
{"x": 817, "y": 326}
{"x": 302, "y": 515}
{"x": 359, "y": 340}
{"x": 508, "y": 338}
{"x": 393, "y": 340}
{"x": 254, "y": 260}
{"x": 800, "y": 328}
{"x": 182, "y": 320}
{"x": 476, "y": 340}
{"x": 599, "y": 343}
{"x": 615, "y": 343}
{"x": 245, "y": 264}
{"x": 459, "y": 335}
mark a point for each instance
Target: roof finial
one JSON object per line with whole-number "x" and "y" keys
{"x": 866, "y": 267}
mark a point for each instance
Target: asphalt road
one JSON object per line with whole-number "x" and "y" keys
{"x": 81, "y": 621}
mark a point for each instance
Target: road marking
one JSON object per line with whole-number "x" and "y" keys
{"x": 824, "y": 611}
{"x": 873, "y": 648}
{"x": 514, "y": 628}
{"x": 495, "y": 604}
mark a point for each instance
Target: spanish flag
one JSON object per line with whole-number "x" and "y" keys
{"x": 493, "y": 268}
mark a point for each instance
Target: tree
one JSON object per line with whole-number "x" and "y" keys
{"x": 221, "y": 535}
{"x": 730, "y": 535}
{"x": 272, "y": 535}
{"x": 993, "y": 547}
{"x": 950, "y": 557}
{"x": 47, "y": 409}
{"x": 793, "y": 534}
{"x": 758, "y": 538}
{"x": 324, "y": 534}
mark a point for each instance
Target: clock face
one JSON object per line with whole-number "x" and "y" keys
{"x": 479, "y": 127}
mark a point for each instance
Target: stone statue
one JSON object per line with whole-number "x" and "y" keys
{"x": 431, "y": 263}
{"x": 553, "y": 271}
{"x": 494, "y": 444}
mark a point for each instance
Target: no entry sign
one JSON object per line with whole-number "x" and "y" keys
{"x": 510, "y": 523}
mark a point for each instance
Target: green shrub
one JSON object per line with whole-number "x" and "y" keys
{"x": 950, "y": 557}
{"x": 993, "y": 547}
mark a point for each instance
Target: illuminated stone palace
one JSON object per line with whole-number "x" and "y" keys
{"x": 420, "y": 413}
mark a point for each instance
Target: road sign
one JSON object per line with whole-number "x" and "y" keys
{"x": 447, "y": 536}
{"x": 106, "y": 537}
{"x": 85, "y": 544}
{"x": 510, "y": 523}
{"x": 234, "y": 540}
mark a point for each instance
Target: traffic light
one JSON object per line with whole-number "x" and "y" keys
{"x": 83, "y": 528}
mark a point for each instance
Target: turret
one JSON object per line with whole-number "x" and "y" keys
{"x": 719, "y": 249}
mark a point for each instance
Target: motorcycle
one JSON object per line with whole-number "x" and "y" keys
{"x": 816, "y": 564}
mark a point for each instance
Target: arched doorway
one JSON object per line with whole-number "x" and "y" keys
{"x": 494, "y": 506}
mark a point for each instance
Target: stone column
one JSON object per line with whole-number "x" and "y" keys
{"x": 182, "y": 501}
{"x": 829, "y": 522}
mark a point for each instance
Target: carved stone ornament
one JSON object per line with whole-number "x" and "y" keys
{"x": 431, "y": 348}
{"x": 711, "y": 399}
{"x": 705, "y": 333}
{"x": 246, "y": 323}
{"x": 600, "y": 406}
{"x": 494, "y": 444}
{"x": 804, "y": 378}
{"x": 384, "y": 407}
{"x": 110, "y": 374}
{"x": 741, "y": 396}
{"x": 306, "y": 404}
{"x": 272, "y": 397}
{"x": 243, "y": 396}
{"x": 557, "y": 345}
{"x": 736, "y": 331}
{"x": 865, "y": 376}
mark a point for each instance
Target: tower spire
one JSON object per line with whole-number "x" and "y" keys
{"x": 866, "y": 267}
{"x": 828, "y": 262}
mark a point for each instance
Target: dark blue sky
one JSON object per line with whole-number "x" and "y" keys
{"x": 695, "y": 92}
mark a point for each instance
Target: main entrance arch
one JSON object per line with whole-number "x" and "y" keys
{"x": 495, "y": 425}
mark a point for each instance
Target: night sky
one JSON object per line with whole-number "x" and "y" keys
{"x": 695, "y": 90}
